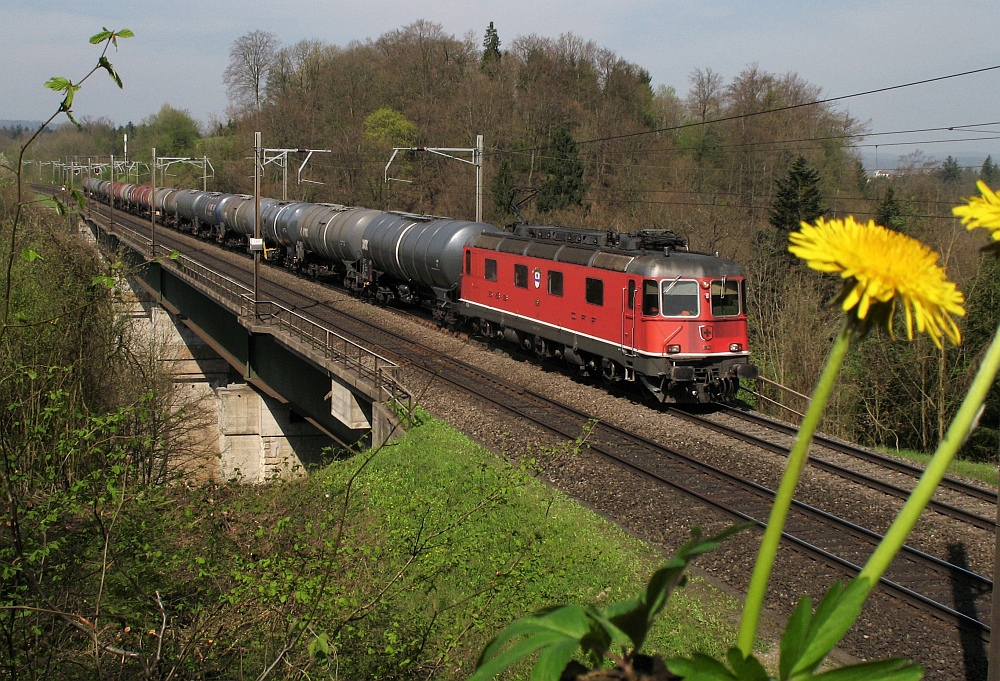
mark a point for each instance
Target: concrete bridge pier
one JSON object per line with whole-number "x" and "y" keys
{"x": 260, "y": 438}
{"x": 239, "y": 432}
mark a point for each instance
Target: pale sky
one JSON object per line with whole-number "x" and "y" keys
{"x": 842, "y": 46}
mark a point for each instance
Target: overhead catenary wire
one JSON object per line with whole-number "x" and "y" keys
{"x": 779, "y": 109}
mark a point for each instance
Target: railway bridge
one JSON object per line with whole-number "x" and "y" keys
{"x": 290, "y": 389}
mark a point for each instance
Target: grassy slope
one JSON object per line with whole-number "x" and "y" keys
{"x": 444, "y": 545}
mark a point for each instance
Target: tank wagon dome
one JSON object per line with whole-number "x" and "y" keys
{"x": 424, "y": 249}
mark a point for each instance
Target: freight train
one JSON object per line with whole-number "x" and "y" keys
{"x": 638, "y": 308}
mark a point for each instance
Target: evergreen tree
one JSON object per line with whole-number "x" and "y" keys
{"x": 950, "y": 172}
{"x": 889, "y": 212}
{"x": 563, "y": 185}
{"x": 503, "y": 187}
{"x": 797, "y": 198}
{"x": 990, "y": 173}
{"x": 491, "y": 50}
{"x": 861, "y": 179}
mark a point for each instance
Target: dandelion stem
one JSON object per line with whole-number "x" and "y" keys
{"x": 963, "y": 423}
{"x": 786, "y": 490}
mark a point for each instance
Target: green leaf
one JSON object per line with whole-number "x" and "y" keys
{"x": 106, "y": 65}
{"x": 635, "y": 616}
{"x": 108, "y": 282}
{"x": 561, "y": 628}
{"x": 490, "y": 668}
{"x": 113, "y": 36}
{"x": 320, "y": 645}
{"x": 793, "y": 641}
{"x": 80, "y": 199}
{"x": 553, "y": 660}
{"x": 30, "y": 255}
{"x": 58, "y": 84}
{"x": 746, "y": 668}
{"x": 67, "y": 102}
{"x": 895, "y": 669}
{"x": 836, "y": 613}
{"x": 700, "y": 667}
{"x": 560, "y": 631}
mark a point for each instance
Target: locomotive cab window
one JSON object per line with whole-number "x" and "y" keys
{"x": 725, "y": 298}
{"x": 650, "y": 297}
{"x": 521, "y": 276}
{"x": 491, "y": 270}
{"x": 468, "y": 262}
{"x": 595, "y": 291}
{"x": 680, "y": 298}
{"x": 555, "y": 283}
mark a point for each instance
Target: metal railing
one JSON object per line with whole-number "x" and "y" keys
{"x": 381, "y": 372}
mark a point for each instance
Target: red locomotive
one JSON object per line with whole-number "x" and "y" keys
{"x": 631, "y": 307}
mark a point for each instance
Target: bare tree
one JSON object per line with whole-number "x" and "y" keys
{"x": 705, "y": 97}
{"x": 250, "y": 60}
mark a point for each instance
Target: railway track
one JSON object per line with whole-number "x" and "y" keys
{"x": 965, "y": 502}
{"x": 951, "y": 592}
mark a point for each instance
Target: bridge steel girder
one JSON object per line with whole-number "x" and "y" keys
{"x": 266, "y": 361}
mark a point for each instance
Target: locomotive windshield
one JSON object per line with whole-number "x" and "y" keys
{"x": 725, "y": 298}
{"x": 680, "y": 298}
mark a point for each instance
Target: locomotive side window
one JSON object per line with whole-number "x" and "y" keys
{"x": 555, "y": 283}
{"x": 491, "y": 270}
{"x": 725, "y": 298}
{"x": 650, "y": 297}
{"x": 631, "y": 294}
{"x": 680, "y": 298}
{"x": 468, "y": 262}
{"x": 521, "y": 276}
{"x": 595, "y": 291}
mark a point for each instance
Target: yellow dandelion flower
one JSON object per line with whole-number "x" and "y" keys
{"x": 882, "y": 269}
{"x": 981, "y": 211}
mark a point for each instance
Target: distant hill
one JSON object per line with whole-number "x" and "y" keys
{"x": 31, "y": 125}
{"x": 890, "y": 162}
{"x": 24, "y": 125}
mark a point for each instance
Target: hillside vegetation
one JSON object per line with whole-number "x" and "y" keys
{"x": 576, "y": 135}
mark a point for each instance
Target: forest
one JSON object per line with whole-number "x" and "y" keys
{"x": 575, "y": 135}
{"x": 119, "y": 559}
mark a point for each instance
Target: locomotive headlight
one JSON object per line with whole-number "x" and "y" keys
{"x": 735, "y": 347}
{"x": 673, "y": 349}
